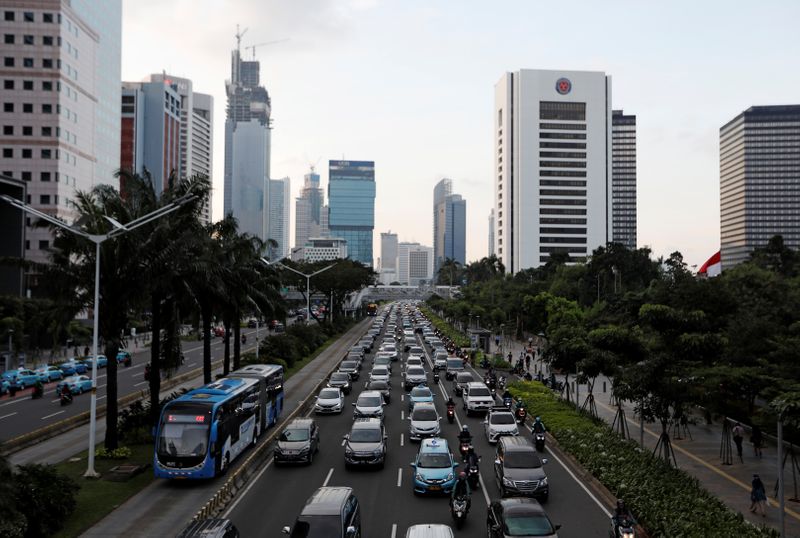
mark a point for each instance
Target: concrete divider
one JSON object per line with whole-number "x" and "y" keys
{"x": 36, "y": 436}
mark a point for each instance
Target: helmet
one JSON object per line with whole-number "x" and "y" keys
{"x": 471, "y": 449}
{"x": 462, "y": 474}
{"x": 620, "y": 503}
{"x": 538, "y": 419}
{"x": 465, "y": 428}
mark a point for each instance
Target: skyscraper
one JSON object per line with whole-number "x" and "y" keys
{"x": 449, "y": 224}
{"x": 414, "y": 264}
{"x": 197, "y": 129}
{"x": 247, "y": 148}
{"x": 279, "y": 190}
{"x": 759, "y": 151}
{"x": 308, "y": 211}
{"x": 351, "y": 201}
{"x": 551, "y": 194}
{"x": 491, "y": 232}
{"x": 388, "y": 265}
{"x": 61, "y": 98}
{"x": 623, "y": 178}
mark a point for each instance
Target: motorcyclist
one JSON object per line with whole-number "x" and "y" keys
{"x": 464, "y": 436}
{"x": 538, "y": 426}
{"x": 461, "y": 489}
{"x": 622, "y": 516}
{"x": 244, "y": 339}
{"x": 472, "y": 458}
{"x": 38, "y": 389}
{"x": 450, "y": 403}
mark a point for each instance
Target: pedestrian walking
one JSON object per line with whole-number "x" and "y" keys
{"x": 757, "y": 439}
{"x": 758, "y": 496}
{"x": 527, "y": 362}
{"x": 738, "y": 437}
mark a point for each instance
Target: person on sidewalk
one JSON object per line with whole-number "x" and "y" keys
{"x": 738, "y": 437}
{"x": 758, "y": 496}
{"x": 757, "y": 439}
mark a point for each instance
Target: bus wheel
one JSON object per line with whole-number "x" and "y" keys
{"x": 225, "y": 463}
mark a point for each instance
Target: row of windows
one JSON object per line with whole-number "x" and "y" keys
{"x": 27, "y": 153}
{"x": 564, "y": 136}
{"x": 561, "y": 211}
{"x": 561, "y": 201}
{"x": 47, "y": 40}
{"x": 549, "y": 220}
{"x": 27, "y": 130}
{"x": 560, "y": 192}
{"x": 562, "y": 183}
{"x": 563, "y": 154}
{"x": 562, "y": 164}
{"x": 28, "y": 176}
{"x": 28, "y": 16}
{"x": 575, "y": 240}
{"x": 566, "y": 145}
{"x": 28, "y": 85}
{"x": 578, "y": 250}
{"x": 561, "y": 110}
{"x": 27, "y": 108}
{"x": 563, "y": 126}
{"x": 566, "y": 231}
{"x": 562, "y": 173}
{"x": 47, "y": 63}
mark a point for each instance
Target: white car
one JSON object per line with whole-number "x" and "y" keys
{"x": 391, "y": 349}
{"x": 414, "y": 360}
{"x": 424, "y": 421}
{"x": 414, "y": 376}
{"x": 329, "y": 400}
{"x": 369, "y": 404}
{"x": 499, "y": 422}
{"x": 379, "y": 373}
{"x": 477, "y": 398}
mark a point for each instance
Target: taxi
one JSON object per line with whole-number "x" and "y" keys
{"x": 434, "y": 467}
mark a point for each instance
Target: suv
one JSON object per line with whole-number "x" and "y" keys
{"x": 424, "y": 421}
{"x": 461, "y": 381}
{"x": 518, "y": 469}
{"x": 500, "y": 421}
{"x": 366, "y": 443}
{"x": 381, "y": 373}
{"x": 340, "y": 380}
{"x": 330, "y": 511}
{"x": 434, "y": 467}
{"x": 454, "y": 365}
{"x": 477, "y": 398}
{"x": 507, "y": 517}
{"x": 298, "y": 442}
{"x": 440, "y": 362}
{"x": 413, "y": 376}
{"x": 369, "y": 404}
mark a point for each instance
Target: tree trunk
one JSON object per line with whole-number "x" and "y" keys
{"x": 237, "y": 334}
{"x": 226, "y": 361}
{"x": 112, "y": 409}
{"x": 205, "y": 307}
{"x": 155, "y": 359}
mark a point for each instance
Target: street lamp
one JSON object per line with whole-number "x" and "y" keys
{"x": 98, "y": 239}
{"x": 308, "y": 282}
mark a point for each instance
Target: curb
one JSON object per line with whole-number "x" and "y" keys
{"x": 26, "y": 440}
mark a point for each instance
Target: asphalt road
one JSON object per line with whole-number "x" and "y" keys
{"x": 22, "y": 414}
{"x": 388, "y": 506}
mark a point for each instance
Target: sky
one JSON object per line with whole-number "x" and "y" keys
{"x": 410, "y": 85}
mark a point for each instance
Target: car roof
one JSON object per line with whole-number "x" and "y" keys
{"x": 515, "y": 444}
{"x": 476, "y": 384}
{"x": 300, "y": 423}
{"x": 429, "y": 531}
{"x": 374, "y": 393}
{"x": 366, "y": 423}
{"x": 207, "y": 528}
{"x": 521, "y": 504}
{"x": 326, "y": 500}
{"x": 463, "y": 375}
{"x": 434, "y": 444}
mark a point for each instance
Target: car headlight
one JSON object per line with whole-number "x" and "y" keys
{"x": 507, "y": 482}
{"x": 377, "y": 452}
{"x": 450, "y": 476}
{"x": 304, "y": 450}
{"x": 543, "y": 481}
{"x": 278, "y": 449}
{"x": 419, "y": 477}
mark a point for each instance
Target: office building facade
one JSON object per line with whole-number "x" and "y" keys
{"x": 490, "y": 250}
{"x": 552, "y": 132}
{"x": 247, "y": 148}
{"x": 279, "y": 191}
{"x": 759, "y": 168}
{"x": 351, "y": 206}
{"x": 387, "y": 269}
{"x": 623, "y": 178}
{"x": 415, "y": 264}
{"x": 449, "y": 224}
{"x": 310, "y": 219}
{"x": 320, "y": 249}
{"x": 60, "y": 103}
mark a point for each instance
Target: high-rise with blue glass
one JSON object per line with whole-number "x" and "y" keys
{"x": 351, "y": 206}
{"x": 449, "y": 225}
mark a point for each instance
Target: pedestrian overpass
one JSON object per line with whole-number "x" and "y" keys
{"x": 374, "y": 294}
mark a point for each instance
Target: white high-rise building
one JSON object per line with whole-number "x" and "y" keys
{"x": 279, "y": 190}
{"x": 61, "y": 103}
{"x": 387, "y": 272}
{"x": 553, "y": 184}
{"x": 414, "y": 264}
{"x": 491, "y": 232}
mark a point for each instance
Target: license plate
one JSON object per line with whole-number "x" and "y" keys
{"x": 434, "y": 488}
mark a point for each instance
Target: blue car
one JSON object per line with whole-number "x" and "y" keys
{"x": 72, "y": 367}
{"x": 434, "y": 467}
{"x": 102, "y": 361}
{"x": 4, "y": 386}
{"x": 419, "y": 394}
{"x": 122, "y": 354}
{"x": 22, "y": 378}
{"x": 50, "y": 373}
{"x": 77, "y": 384}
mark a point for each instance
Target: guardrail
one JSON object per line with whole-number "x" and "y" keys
{"x": 47, "y": 432}
{"x": 239, "y": 478}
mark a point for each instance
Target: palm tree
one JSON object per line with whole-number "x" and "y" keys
{"x": 449, "y": 272}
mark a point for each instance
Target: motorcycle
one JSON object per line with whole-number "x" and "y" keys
{"x": 501, "y": 383}
{"x": 127, "y": 361}
{"x": 463, "y": 448}
{"x": 147, "y": 372}
{"x": 474, "y": 475}
{"x": 65, "y": 397}
{"x": 436, "y": 377}
{"x": 507, "y": 402}
{"x": 459, "y": 509}
{"x": 451, "y": 413}
{"x": 484, "y": 363}
{"x": 520, "y": 414}
{"x": 622, "y": 527}
{"x": 538, "y": 440}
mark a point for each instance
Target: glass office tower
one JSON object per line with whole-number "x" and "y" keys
{"x": 351, "y": 206}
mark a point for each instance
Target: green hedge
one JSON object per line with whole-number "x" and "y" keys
{"x": 446, "y": 329}
{"x": 665, "y": 500}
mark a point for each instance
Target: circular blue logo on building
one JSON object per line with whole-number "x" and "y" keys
{"x": 563, "y": 86}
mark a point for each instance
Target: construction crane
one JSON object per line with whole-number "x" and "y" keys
{"x": 239, "y": 36}
{"x": 263, "y": 44}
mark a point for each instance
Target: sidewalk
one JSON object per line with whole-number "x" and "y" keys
{"x": 698, "y": 454}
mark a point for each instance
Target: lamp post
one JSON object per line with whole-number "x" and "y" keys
{"x": 98, "y": 239}
{"x": 308, "y": 282}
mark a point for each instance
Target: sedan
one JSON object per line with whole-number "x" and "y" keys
{"x": 22, "y": 377}
{"x": 381, "y": 386}
{"x": 340, "y": 380}
{"x": 330, "y": 400}
{"x": 72, "y": 367}
{"x": 50, "y": 373}
{"x": 102, "y": 361}
{"x": 4, "y": 385}
{"x": 519, "y": 517}
{"x": 77, "y": 384}
{"x": 418, "y": 395}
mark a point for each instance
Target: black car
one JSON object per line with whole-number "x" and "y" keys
{"x": 350, "y": 368}
{"x": 332, "y": 512}
{"x": 518, "y": 469}
{"x": 210, "y": 528}
{"x": 366, "y": 443}
{"x": 461, "y": 380}
{"x": 382, "y": 387}
{"x": 298, "y": 442}
{"x": 340, "y": 380}
{"x": 519, "y": 517}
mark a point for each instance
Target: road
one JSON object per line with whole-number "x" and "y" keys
{"x": 388, "y": 506}
{"x": 21, "y": 414}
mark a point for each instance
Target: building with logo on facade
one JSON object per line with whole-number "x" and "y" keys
{"x": 414, "y": 264}
{"x": 387, "y": 269}
{"x": 623, "y": 178}
{"x": 553, "y": 179}
{"x": 351, "y": 206}
{"x": 321, "y": 249}
{"x": 247, "y": 148}
{"x": 61, "y": 96}
{"x": 759, "y": 169}
{"x": 449, "y": 224}
{"x": 310, "y": 215}
{"x": 279, "y": 191}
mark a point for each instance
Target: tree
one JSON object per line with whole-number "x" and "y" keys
{"x": 450, "y": 273}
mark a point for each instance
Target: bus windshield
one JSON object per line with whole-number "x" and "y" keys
{"x": 183, "y": 439}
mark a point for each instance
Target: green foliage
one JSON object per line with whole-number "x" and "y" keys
{"x": 134, "y": 423}
{"x": 654, "y": 491}
{"x": 446, "y": 329}
{"x": 299, "y": 341}
{"x": 44, "y": 496}
{"x": 120, "y": 453}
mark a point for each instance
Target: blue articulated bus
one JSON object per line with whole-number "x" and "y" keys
{"x": 201, "y": 432}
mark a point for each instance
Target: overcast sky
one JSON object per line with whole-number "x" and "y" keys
{"x": 410, "y": 85}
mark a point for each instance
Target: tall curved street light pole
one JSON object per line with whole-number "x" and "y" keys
{"x": 308, "y": 282}
{"x": 98, "y": 239}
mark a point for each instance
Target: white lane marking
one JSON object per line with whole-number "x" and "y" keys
{"x": 394, "y": 530}
{"x": 190, "y": 364}
{"x": 402, "y": 415}
{"x": 400, "y": 479}
{"x": 54, "y": 414}
{"x": 581, "y": 484}
{"x": 14, "y": 413}
{"x": 244, "y": 493}
{"x": 401, "y": 439}
{"x": 55, "y": 401}
{"x": 402, "y": 397}
{"x": 483, "y": 488}
{"x": 328, "y": 478}
{"x": 140, "y": 383}
{"x": 101, "y": 386}
{"x": 100, "y": 398}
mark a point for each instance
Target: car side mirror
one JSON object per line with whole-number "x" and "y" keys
{"x": 544, "y": 461}
{"x": 345, "y": 436}
{"x": 353, "y": 404}
{"x": 455, "y": 466}
{"x": 495, "y": 528}
{"x": 412, "y": 464}
{"x": 497, "y": 461}
{"x": 557, "y": 526}
{"x": 351, "y": 531}
{"x": 286, "y": 530}
{"x": 385, "y": 437}
{"x": 486, "y": 421}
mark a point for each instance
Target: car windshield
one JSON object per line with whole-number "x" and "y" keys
{"x": 73, "y": 379}
{"x": 434, "y": 460}
{"x": 337, "y": 376}
{"x": 365, "y": 435}
{"x": 349, "y": 365}
{"x": 466, "y": 378}
{"x": 383, "y": 359}
{"x": 294, "y": 434}
{"x": 424, "y": 414}
{"x": 369, "y": 401}
{"x": 421, "y": 392}
{"x": 522, "y": 460}
{"x": 380, "y": 371}
{"x": 501, "y": 418}
{"x": 415, "y": 370}
{"x": 317, "y": 527}
{"x": 183, "y": 439}
{"x": 329, "y": 394}
{"x": 457, "y": 364}
{"x": 479, "y": 391}
{"x": 528, "y": 525}
{"x": 378, "y": 385}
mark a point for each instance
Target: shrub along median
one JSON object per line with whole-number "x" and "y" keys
{"x": 445, "y": 328}
{"x": 665, "y": 500}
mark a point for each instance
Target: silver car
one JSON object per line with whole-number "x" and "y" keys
{"x": 369, "y": 404}
{"x": 424, "y": 422}
{"x": 499, "y": 422}
{"x": 379, "y": 373}
{"x": 330, "y": 400}
{"x": 413, "y": 376}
